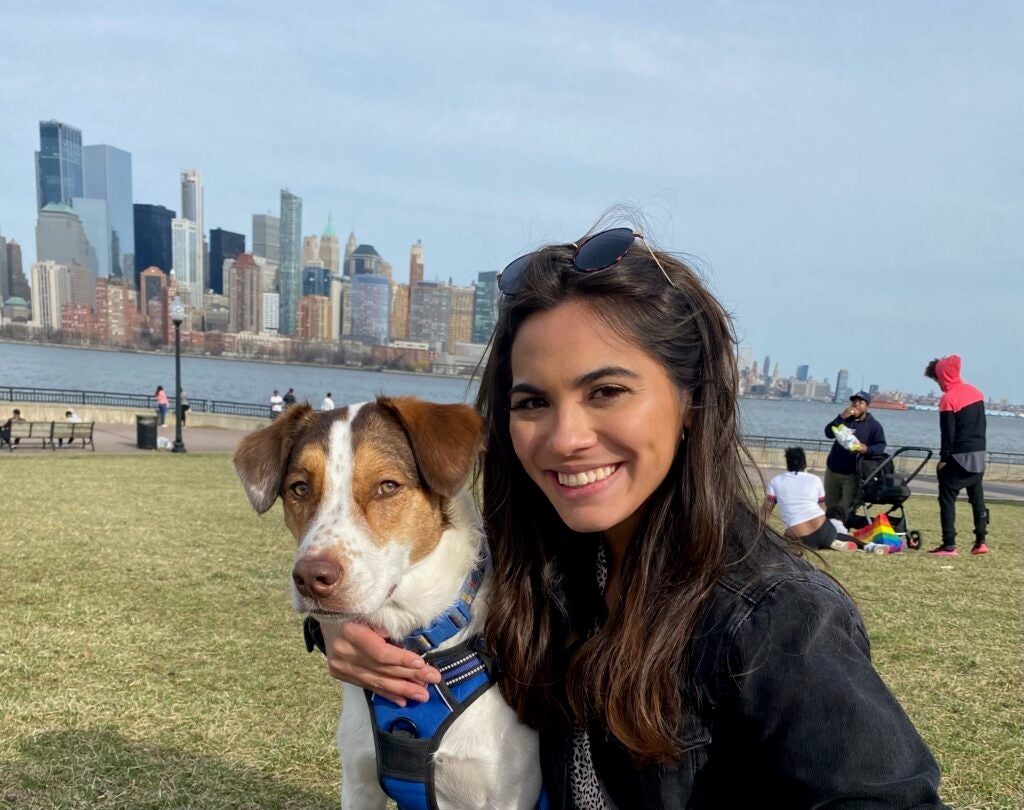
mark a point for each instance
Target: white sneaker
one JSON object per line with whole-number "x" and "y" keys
{"x": 877, "y": 548}
{"x": 843, "y": 545}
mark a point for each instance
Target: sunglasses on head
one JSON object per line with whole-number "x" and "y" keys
{"x": 594, "y": 253}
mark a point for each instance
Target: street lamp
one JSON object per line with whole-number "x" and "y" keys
{"x": 177, "y": 316}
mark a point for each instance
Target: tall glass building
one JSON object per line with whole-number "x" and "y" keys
{"x": 152, "y": 238}
{"x": 58, "y": 164}
{"x": 316, "y": 281}
{"x": 266, "y": 237}
{"x": 485, "y": 305}
{"x": 291, "y": 255}
{"x": 108, "y": 177}
{"x": 95, "y": 218}
{"x": 223, "y": 245}
{"x": 371, "y": 309}
{"x": 187, "y": 273}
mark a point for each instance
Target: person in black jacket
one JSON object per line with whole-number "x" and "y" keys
{"x": 962, "y": 453}
{"x": 841, "y": 464}
{"x": 672, "y": 651}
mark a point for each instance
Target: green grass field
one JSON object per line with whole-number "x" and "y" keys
{"x": 149, "y": 657}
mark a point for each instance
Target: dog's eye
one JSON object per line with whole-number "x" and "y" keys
{"x": 300, "y": 489}
{"x": 387, "y": 487}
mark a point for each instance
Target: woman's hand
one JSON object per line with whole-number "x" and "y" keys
{"x": 359, "y": 655}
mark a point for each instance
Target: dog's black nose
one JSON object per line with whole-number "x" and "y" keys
{"x": 315, "y": 579}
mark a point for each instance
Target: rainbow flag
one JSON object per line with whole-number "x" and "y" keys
{"x": 880, "y": 531}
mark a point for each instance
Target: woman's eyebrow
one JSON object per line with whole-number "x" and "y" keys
{"x": 524, "y": 388}
{"x": 608, "y": 371}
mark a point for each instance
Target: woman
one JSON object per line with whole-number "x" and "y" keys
{"x": 671, "y": 651}
{"x": 799, "y": 496}
{"x": 162, "y": 404}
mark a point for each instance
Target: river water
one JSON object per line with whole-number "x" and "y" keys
{"x": 34, "y": 366}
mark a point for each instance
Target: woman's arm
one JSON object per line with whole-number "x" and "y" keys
{"x": 359, "y": 655}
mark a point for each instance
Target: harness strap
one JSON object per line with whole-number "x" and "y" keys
{"x": 424, "y": 639}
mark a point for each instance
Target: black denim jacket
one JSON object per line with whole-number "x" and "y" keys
{"x": 792, "y": 713}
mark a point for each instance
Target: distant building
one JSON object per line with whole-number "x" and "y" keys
{"x": 767, "y": 365}
{"x": 224, "y": 245}
{"x": 316, "y": 281}
{"x": 314, "y": 319}
{"x": 116, "y": 311}
{"x": 350, "y": 246}
{"x": 311, "y": 251}
{"x": 416, "y": 263}
{"x": 371, "y": 309}
{"x": 152, "y": 290}
{"x": 271, "y": 312}
{"x": 399, "y": 328}
{"x": 460, "y": 317}
{"x": 802, "y": 372}
{"x": 291, "y": 250}
{"x": 95, "y": 218}
{"x": 60, "y": 237}
{"x": 17, "y": 310}
{"x": 152, "y": 238}
{"x": 266, "y": 237}
{"x": 186, "y": 260}
{"x": 16, "y": 280}
{"x": 244, "y": 290}
{"x": 428, "y": 314}
{"x": 108, "y": 177}
{"x": 485, "y": 305}
{"x": 841, "y": 385}
{"x": 330, "y": 249}
{"x": 59, "y": 175}
{"x": 53, "y": 286}
{"x": 192, "y": 210}
{"x": 364, "y": 260}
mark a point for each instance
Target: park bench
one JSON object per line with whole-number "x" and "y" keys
{"x": 70, "y": 432}
{"x": 49, "y": 432}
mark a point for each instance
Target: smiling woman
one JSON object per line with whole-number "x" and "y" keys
{"x": 643, "y": 617}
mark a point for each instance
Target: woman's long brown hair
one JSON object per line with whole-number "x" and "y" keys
{"x": 629, "y": 677}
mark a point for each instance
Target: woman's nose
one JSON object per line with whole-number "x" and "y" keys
{"x": 571, "y": 431}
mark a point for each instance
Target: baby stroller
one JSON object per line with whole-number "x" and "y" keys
{"x": 884, "y": 481}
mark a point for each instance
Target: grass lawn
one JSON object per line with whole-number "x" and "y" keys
{"x": 149, "y": 657}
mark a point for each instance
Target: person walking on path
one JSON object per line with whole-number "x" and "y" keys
{"x": 162, "y": 404}
{"x": 841, "y": 465}
{"x": 961, "y": 453}
{"x": 184, "y": 407}
{"x": 289, "y": 397}
{"x": 328, "y": 403}
{"x": 276, "y": 404}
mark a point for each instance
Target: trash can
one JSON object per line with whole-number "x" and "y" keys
{"x": 145, "y": 431}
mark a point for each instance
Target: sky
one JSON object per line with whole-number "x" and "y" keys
{"x": 849, "y": 177}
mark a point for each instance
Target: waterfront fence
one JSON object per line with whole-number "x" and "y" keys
{"x": 767, "y": 450}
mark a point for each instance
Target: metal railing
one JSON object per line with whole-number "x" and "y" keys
{"x": 145, "y": 401}
{"x": 120, "y": 400}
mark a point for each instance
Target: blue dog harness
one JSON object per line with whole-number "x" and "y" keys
{"x": 406, "y": 738}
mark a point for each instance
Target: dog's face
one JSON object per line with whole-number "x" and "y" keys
{"x": 364, "y": 490}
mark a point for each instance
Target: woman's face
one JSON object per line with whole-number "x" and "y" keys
{"x": 595, "y": 420}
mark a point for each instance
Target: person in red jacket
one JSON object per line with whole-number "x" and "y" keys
{"x": 961, "y": 454}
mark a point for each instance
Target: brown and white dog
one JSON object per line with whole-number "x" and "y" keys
{"x": 386, "y": 536}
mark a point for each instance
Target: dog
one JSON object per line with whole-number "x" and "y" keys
{"x": 387, "y": 536}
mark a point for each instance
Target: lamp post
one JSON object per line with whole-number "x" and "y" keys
{"x": 177, "y": 316}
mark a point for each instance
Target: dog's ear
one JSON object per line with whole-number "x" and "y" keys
{"x": 445, "y": 439}
{"x": 262, "y": 456}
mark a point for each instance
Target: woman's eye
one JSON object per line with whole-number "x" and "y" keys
{"x": 300, "y": 489}
{"x": 608, "y": 392}
{"x": 387, "y": 487}
{"x": 527, "y": 404}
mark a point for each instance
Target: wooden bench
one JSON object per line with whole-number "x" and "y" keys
{"x": 71, "y": 432}
{"x": 49, "y": 432}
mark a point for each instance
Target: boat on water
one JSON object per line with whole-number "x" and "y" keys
{"x": 888, "y": 404}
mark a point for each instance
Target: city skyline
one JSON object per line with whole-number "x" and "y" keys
{"x": 849, "y": 180}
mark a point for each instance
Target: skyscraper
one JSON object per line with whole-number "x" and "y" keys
{"x": 316, "y": 281}
{"x": 371, "y": 308}
{"x": 17, "y": 283}
{"x": 152, "y": 238}
{"x": 767, "y": 365}
{"x": 242, "y": 284}
{"x": 485, "y": 305}
{"x": 192, "y": 210}
{"x": 291, "y": 253}
{"x": 310, "y": 251}
{"x": 223, "y": 245}
{"x": 266, "y": 237}
{"x": 58, "y": 164}
{"x": 53, "y": 286}
{"x": 350, "y": 245}
{"x": 187, "y": 261}
{"x": 841, "y": 380}
{"x": 330, "y": 249}
{"x": 416, "y": 263}
{"x": 314, "y": 319}
{"x": 60, "y": 238}
{"x": 108, "y": 177}
{"x": 428, "y": 314}
{"x": 365, "y": 260}
{"x": 95, "y": 218}
{"x": 460, "y": 317}
{"x": 802, "y": 372}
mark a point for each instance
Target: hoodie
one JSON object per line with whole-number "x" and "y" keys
{"x": 961, "y": 417}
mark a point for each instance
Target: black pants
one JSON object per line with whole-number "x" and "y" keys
{"x": 953, "y": 478}
{"x": 821, "y": 537}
